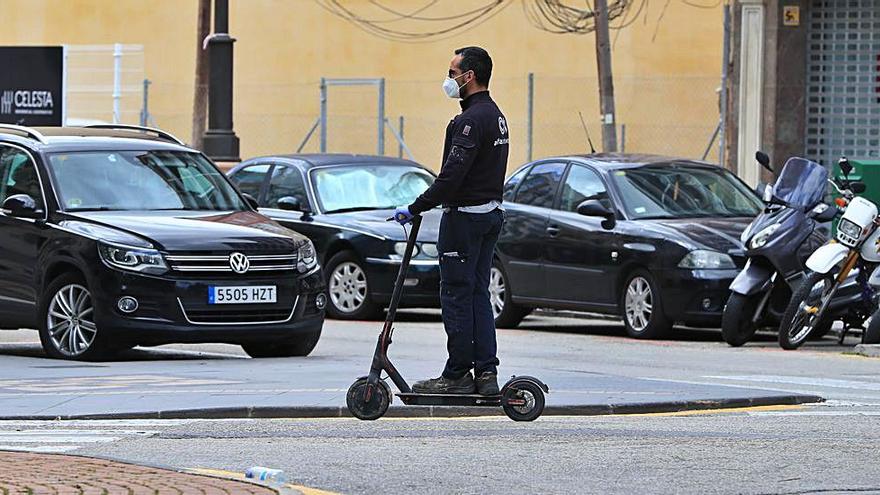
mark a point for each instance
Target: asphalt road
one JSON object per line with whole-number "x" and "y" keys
{"x": 827, "y": 448}
{"x": 787, "y": 449}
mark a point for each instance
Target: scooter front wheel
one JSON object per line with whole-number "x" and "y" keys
{"x": 522, "y": 400}
{"x": 738, "y": 324}
{"x": 371, "y": 409}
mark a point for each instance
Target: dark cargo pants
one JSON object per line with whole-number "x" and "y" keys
{"x": 466, "y": 245}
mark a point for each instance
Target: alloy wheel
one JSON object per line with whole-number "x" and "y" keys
{"x": 496, "y": 291}
{"x": 70, "y": 320}
{"x": 348, "y": 287}
{"x": 638, "y": 303}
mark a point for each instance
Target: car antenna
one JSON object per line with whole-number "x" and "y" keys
{"x": 592, "y": 149}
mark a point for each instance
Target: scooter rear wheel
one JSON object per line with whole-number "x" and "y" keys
{"x": 372, "y": 409}
{"x": 522, "y": 400}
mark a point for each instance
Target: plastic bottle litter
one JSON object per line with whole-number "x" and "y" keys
{"x": 260, "y": 473}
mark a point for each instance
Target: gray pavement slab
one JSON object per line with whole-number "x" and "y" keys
{"x": 220, "y": 381}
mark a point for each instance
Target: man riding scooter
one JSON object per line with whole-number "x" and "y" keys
{"x": 469, "y": 187}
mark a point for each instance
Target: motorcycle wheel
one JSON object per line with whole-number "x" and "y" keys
{"x": 872, "y": 332}
{"x": 800, "y": 320}
{"x": 737, "y": 325}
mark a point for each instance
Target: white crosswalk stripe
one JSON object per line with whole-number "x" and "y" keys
{"x": 66, "y": 436}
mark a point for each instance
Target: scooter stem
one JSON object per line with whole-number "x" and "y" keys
{"x": 380, "y": 357}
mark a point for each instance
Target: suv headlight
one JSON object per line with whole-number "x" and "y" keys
{"x": 131, "y": 258}
{"x": 761, "y": 238}
{"x": 306, "y": 257}
{"x": 703, "y": 259}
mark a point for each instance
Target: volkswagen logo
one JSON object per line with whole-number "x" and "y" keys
{"x": 239, "y": 263}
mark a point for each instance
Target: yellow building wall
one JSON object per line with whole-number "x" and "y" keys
{"x": 666, "y": 65}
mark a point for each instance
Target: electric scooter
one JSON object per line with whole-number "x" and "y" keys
{"x": 368, "y": 398}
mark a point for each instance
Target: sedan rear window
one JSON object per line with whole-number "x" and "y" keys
{"x": 682, "y": 191}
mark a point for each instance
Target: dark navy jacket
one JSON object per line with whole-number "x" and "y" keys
{"x": 475, "y": 157}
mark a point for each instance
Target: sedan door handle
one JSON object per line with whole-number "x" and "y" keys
{"x": 553, "y": 230}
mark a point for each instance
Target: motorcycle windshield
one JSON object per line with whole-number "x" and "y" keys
{"x": 802, "y": 183}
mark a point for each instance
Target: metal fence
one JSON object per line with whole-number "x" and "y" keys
{"x": 104, "y": 83}
{"x": 674, "y": 115}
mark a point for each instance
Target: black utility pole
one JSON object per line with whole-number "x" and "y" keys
{"x": 220, "y": 142}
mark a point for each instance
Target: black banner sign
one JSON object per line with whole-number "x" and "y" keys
{"x": 32, "y": 85}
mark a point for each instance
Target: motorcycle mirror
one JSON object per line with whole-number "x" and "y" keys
{"x": 857, "y": 187}
{"x": 845, "y": 166}
{"x": 764, "y": 160}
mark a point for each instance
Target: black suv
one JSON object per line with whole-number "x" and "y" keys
{"x": 116, "y": 236}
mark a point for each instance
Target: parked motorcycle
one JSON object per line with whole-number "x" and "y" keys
{"x": 794, "y": 223}
{"x": 871, "y": 335}
{"x": 855, "y": 251}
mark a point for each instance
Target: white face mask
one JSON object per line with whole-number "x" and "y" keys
{"x": 451, "y": 87}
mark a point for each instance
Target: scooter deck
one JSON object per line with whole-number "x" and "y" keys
{"x": 414, "y": 399}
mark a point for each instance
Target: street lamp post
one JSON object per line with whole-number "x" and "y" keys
{"x": 220, "y": 141}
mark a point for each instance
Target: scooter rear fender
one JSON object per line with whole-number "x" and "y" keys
{"x": 752, "y": 280}
{"x": 827, "y": 257}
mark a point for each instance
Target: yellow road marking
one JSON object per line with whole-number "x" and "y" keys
{"x": 724, "y": 410}
{"x": 410, "y": 418}
{"x": 222, "y": 473}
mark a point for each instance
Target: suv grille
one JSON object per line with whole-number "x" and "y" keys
{"x": 221, "y": 263}
{"x": 243, "y": 315}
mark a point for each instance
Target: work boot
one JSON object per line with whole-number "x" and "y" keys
{"x": 443, "y": 385}
{"x": 487, "y": 383}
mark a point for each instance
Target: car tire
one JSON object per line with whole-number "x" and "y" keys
{"x": 348, "y": 291}
{"x": 300, "y": 347}
{"x": 736, "y": 322}
{"x": 642, "y": 308}
{"x": 66, "y": 306}
{"x": 507, "y": 313}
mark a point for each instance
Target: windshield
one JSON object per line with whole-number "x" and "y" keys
{"x": 140, "y": 180}
{"x": 802, "y": 183}
{"x": 368, "y": 187}
{"x": 683, "y": 191}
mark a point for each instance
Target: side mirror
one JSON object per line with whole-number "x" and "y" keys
{"x": 21, "y": 206}
{"x": 764, "y": 160}
{"x": 251, "y": 201}
{"x": 595, "y": 208}
{"x": 857, "y": 187}
{"x": 290, "y": 203}
{"x": 845, "y": 166}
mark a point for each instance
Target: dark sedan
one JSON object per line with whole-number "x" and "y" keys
{"x": 341, "y": 202}
{"x": 652, "y": 239}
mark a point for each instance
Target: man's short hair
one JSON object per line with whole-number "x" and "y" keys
{"x": 478, "y": 60}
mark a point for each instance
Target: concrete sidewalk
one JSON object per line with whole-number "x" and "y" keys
{"x": 29, "y": 473}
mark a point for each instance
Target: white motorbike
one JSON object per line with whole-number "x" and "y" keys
{"x": 854, "y": 251}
